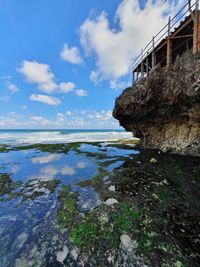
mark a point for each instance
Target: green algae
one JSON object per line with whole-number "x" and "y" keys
{"x": 95, "y": 181}
{"x": 98, "y": 184}
{"x": 170, "y": 191}
{"x": 68, "y": 211}
{"x": 85, "y": 233}
{"x": 10, "y": 189}
{"x": 133, "y": 141}
{"x": 125, "y": 218}
{"x": 159, "y": 209}
{"x": 3, "y": 149}
{"x": 7, "y": 185}
{"x": 51, "y": 148}
{"x": 50, "y": 185}
{"x": 93, "y": 232}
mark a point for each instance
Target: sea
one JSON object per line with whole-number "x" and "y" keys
{"x": 19, "y": 137}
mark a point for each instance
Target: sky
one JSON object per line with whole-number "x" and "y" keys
{"x": 64, "y": 62}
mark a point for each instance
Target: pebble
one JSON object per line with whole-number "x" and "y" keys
{"x": 105, "y": 178}
{"x": 61, "y": 255}
{"x": 111, "y": 188}
{"x": 127, "y": 243}
{"x": 75, "y": 253}
{"x": 153, "y": 160}
{"x": 111, "y": 201}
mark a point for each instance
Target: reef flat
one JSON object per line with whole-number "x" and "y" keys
{"x": 98, "y": 204}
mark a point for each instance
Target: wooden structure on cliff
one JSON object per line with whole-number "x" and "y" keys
{"x": 181, "y": 33}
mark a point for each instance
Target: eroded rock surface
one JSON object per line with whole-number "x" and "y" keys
{"x": 165, "y": 109}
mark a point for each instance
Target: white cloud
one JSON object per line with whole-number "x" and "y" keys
{"x": 12, "y": 114}
{"x": 81, "y": 92}
{"x": 79, "y": 121}
{"x": 76, "y": 120}
{"x": 114, "y": 48}
{"x": 53, "y": 101}
{"x": 38, "y": 120}
{"x": 5, "y": 98}
{"x": 101, "y": 116}
{"x": 83, "y": 112}
{"x": 39, "y": 73}
{"x": 69, "y": 112}
{"x": 71, "y": 55}
{"x": 115, "y": 84}
{"x": 60, "y": 117}
{"x": 12, "y": 87}
{"x": 43, "y": 77}
{"x": 66, "y": 87}
{"x": 24, "y": 107}
{"x": 94, "y": 77}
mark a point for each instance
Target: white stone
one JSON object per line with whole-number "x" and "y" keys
{"x": 127, "y": 243}
{"x": 111, "y": 188}
{"x": 111, "y": 201}
{"x": 111, "y": 259}
{"x": 61, "y": 255}
{"x": 75, "y": 254}
{"x": 104, "y": 217}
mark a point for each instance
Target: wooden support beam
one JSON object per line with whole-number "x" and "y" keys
{"x": 169, "y": 52}
{"x": 147, "y": 66}
{"x": 142, "y": 64}
{"x": 133, "y": 81}
{"x": 196, "y": 34}
{"x": 183, "y": 26}
{"x": 153, "y": 53}
{"x": 137, "y": 76}
{"x": 180, "y": 37}
{"x": 169, "y": 46}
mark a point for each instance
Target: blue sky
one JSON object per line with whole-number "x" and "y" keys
{"x": 63, "y": 63}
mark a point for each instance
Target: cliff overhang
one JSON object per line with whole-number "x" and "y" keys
{"x": 164, "y": 110}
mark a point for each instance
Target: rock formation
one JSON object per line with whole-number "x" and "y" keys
{"x": 164, "y": 110}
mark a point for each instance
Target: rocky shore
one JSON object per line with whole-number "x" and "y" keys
{"x": 131, "y": 208}
{"x": 164, "y": 111}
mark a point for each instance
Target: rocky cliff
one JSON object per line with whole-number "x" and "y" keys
{"x": 164, "y": 110}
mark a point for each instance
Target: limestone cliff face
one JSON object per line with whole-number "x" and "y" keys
{"x": 165, "y": 109}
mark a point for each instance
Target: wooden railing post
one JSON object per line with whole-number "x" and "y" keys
{"x": 147, "y": 65}
{"x": 133, "y": 80}
{"x": 153, "y": 53}
{"x": 169, "y": 45}
{"x": 142, "y": 64}
{"x": 196, "y": 33}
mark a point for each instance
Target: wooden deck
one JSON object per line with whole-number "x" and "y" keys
{"x": 181, "y": 33}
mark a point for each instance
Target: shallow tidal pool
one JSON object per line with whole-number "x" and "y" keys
{"x": 31, "y": 179}
{"x": 96, "y": 205}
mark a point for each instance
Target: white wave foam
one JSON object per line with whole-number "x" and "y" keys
{"x": 18, "y": 138}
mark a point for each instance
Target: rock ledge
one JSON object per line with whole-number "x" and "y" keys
{"x": 165, "y": 109}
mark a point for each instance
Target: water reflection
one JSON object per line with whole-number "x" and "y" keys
{"x": 45, "y": 159}
{"x": 46, "y": 166}
{"x": 108, "y": 151}
{"x": 30, "y": 181}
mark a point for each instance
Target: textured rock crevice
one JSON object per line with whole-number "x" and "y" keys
{"x": 165, "y": 109}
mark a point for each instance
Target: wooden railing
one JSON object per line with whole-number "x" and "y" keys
{"x": 162, "y": 34}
